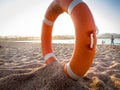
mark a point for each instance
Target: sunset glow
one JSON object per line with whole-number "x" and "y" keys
{"x": 24, "y": 17}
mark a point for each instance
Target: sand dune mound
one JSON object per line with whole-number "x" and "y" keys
{"x": 50, "y": 77}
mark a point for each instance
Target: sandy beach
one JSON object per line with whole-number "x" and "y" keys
{"x": 22, "y": 68}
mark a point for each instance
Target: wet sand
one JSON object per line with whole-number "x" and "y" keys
{"x": 22, "y": 68}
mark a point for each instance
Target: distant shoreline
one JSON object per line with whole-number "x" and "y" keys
{"x": 56, "y": 37}
{"x": 66, "y": 41}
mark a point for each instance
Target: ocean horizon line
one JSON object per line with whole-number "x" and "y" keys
{"x": 71, "y": 41}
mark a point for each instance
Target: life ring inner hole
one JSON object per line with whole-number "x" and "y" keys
{"x": 63, "y": 25}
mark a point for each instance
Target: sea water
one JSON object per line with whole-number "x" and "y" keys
{"x": 72, "y": 41}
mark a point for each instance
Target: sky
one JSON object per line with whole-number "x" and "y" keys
{"x": 24, "y": 17}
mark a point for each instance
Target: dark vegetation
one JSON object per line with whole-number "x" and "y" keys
{"x": 56, "y": 37}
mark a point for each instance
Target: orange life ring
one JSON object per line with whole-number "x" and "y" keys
{"x": 85, "y": 32}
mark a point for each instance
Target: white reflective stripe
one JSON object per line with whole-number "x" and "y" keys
{"x": 91, "y": 40}
{"x": 71, "y": 73}
{"x": 72, "y": 5}
{"x": 97, "y": 30}
{"x": 48, "y": 22}
{"x": 49, "y": 55}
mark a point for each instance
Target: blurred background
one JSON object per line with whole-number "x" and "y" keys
{"x": 24, "y": 18}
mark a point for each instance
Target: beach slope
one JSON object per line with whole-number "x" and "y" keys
{"x": 22, "y": 68}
